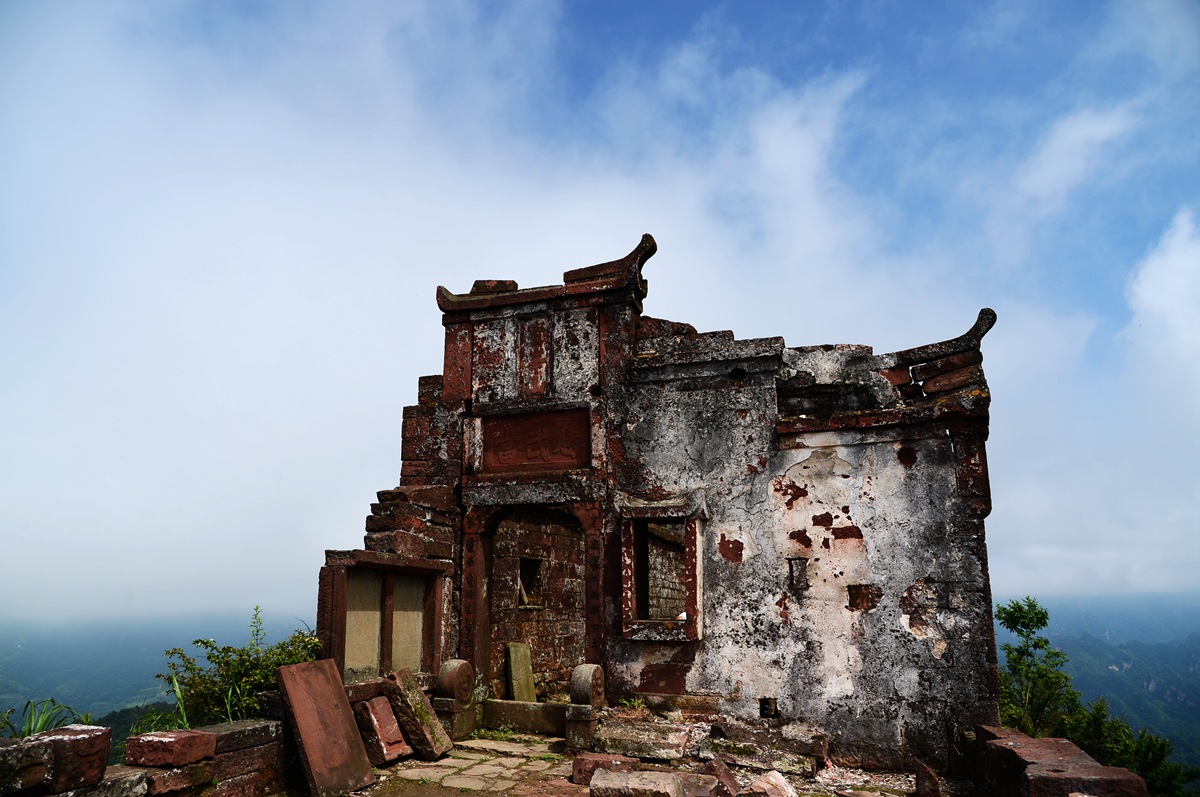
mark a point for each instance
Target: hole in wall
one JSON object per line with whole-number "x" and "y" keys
{"x": 596, "y": 391}
{"x": 737, "y": 374}
{"x": 768, "y": 707}
{"x": 529, "y": 582}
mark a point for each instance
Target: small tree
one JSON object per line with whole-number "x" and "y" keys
{"x": 1036, "y": 696}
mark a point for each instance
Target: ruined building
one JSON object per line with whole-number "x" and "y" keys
{"x": 789, "y": 538}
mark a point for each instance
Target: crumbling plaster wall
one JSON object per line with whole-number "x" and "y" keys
{"x": 841, "y": 577}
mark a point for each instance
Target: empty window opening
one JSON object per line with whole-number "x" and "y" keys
{"x": 659, "y": 570}
{"x": 768, "y": 707}
{"x": 529, "y": 582}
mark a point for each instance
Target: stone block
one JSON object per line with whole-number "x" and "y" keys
{"x": 606, "y": 783}
{"x": 23, "y": 766}
{"x": 643, "y": 740}
{"x": 331, "y": 751}
{"x": 244, "y": 733}
{"x": 118, "y": 781}
{"x": 169, "y": 748}
{"x": 928, "y": 783}
{"x": 417, "y": 718}
{"x": 252, "y": 784}
{"x": 772, "y": 784}
{"x": 1094, "y": 780}
{"x": 585, "y": 765}
{"x": 459, "y": 721}
{"x": 548, "y": 719}
{"x": 247, "y": 760}
{"x": 697, "y": 785}
{"x": 520, "y": 672}
{"x": 380, "y": 731}
{"x": 162, "y": 781}
{"x": 580, "y": 729}
{"x": 587, "y": 685}
{"x": 78, "y": 755}
{"x": 716, "y": 767}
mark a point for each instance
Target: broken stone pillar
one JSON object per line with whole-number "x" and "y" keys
{"x": 454, "y": 698}
{"x": 587, "y": 695}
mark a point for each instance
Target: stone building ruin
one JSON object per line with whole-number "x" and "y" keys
{"x": 789, "y": 538}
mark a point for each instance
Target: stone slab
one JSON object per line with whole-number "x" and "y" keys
{"x": 643, "y": 740}
{"x": 585, "y": 765}
{"x": 162, "y": 781}
{"x": 380, "y": 731}
{"x": 520, "y": 672}
{"x": 244, "y": 733}
{"x": 119, "y": 781}
{"x": 331, "y": 751}
{"x": 252, "y": 784}
{"x": 169, "y": 748}
{"x": 729, "y": 784}
{"x": 606, "y": 783}
{"x": 417, "y": 718}
{"x": 697, "y": 785}
{"x": 547, "y": 719}
{"x": 263, "y": 758}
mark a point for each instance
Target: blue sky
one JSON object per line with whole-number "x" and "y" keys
{"x": 222, "y": 224}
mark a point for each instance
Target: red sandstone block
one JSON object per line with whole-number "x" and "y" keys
{"x": 252, "y": 784}
{"x": 264, "y": 757}
{"x": 169, "y": 748}
{"x": 380, "y": 731}
{"x": 163, "y": 781}
{"x": 245, "y": 733}
{"x": 23, "y": 766}
{"x": 585, "y": 765}
{"x": 78, "y": 755}
{"x": 897, "y": 376}
{"x": 1042, "y": 780}
{"x": 728, "y": 783}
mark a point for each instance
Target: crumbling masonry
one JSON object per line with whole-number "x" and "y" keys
{"x": 791, "y": 539}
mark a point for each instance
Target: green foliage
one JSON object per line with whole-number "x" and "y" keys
{"x": 126, "y": 722}
{"x": 39, "y": 716}
{"x": 1035, "y": 694}
{"x": 227, "y": 686}
{"x": 1038, "y": 698}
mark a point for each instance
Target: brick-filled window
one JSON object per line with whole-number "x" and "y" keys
{"x": 661, "y": 578}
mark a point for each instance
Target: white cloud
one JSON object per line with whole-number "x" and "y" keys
{"x": 1164, "y": 295}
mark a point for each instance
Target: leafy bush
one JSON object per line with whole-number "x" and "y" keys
{"x": 1038, "y": 698}
{"x": 227, "y": 686}
{"x": 39, "y": 716}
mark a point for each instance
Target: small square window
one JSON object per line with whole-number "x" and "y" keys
{"x": 661, "y": 591}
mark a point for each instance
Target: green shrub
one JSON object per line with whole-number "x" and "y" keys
{"x": 227, "y": 686}
{"x": 39, "y": 716}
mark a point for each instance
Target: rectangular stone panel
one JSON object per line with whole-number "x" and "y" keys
{"x": 544, "y": 441}
{"x": 331, "y": 751}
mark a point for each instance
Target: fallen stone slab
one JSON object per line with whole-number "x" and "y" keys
{"x": 169, "y": 748}
{"x": 697, "y": 785}
{"x": 520, "y": 672}
{"x": 332, "y": 754}
{"x": 417, "y": 718}
{"x": 636, "y": 784}
{"x": 585, "y": 765}
{"x": 381, "y": 732}
{"x": 729, "y": 784}
{"x": 772, "y": 784}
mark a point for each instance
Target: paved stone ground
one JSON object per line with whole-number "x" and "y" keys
{"x": 534, "y": 766}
